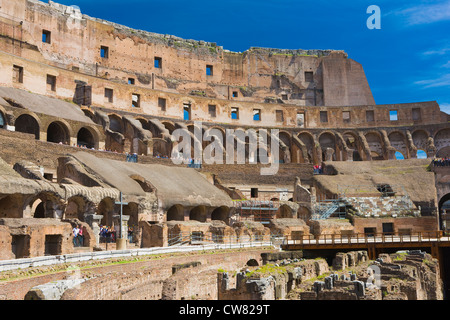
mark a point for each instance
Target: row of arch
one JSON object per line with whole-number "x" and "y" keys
{"x": 298, "y": 147}
{"x": 199, "y": 213}
{"x": 308, "y": 147}
{"x": 58, "y": 131}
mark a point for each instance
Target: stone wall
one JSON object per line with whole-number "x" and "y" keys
{"x": 139, "y": 279}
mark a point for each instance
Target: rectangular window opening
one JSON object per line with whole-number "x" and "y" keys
{"x": 109, "y": 95}
{"x": 136, "y": 100}
{"x": 131, "y": 81}
{"x": 393, "y": 115}
{"x": 235, "y": 94}
{"x": 186, "y": 112}
{"x": 256, "y": 114}
{"x": 162, "y": 104}
{"x": 235, "y": 113}
{"x": 212, "y": 110}
{"x": 46, "y": 36}
{"x": 370, "y": 116}
{"x": 300, "y": 119}
{"x": 104, "y": 52}
{"x": 17, "y": 74}
{"x": 416, "y": 115}
{"x": 323, "y": 116}
{"x": 254, "y": 192}
{"x": 279, "y": 115}
{"x": 158, "y": 63}
{"x": 209, "y": 70}
{"x": 309, "y": 76}
{"x": 51, "y": 82}
{"x": 346, "y": 116}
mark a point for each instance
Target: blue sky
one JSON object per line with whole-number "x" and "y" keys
{"x": 407, "y": 60}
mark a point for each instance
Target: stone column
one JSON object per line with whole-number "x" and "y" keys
{"x": 121, "y": 238}
{"x": 94, "y": 220}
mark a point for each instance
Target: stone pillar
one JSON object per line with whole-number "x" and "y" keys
{"x": 121, "y": 239}
{"x": 94, "y": 220}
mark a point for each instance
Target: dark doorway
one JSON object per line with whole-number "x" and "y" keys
{"x": 20, "y": 246}
{"x": 85, "y": 138}
{"x": 53, "y": 244}
{"x": 57, "y": 133}
{"x": 27, "y": 124}
{"x": 388, "y": 228}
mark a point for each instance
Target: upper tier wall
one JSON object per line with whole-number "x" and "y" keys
{"x": 74, "y": 42}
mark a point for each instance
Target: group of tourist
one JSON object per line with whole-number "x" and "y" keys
{"x": 317, "y": 169}
{"x": 78, "y": 237}
{"x": 194, "y": 163}
{"x": 441, "y": 162}
{"x": 107, "y": 234}
{"x": 132, "y": 157}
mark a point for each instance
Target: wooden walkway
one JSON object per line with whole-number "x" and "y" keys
{"x": 373, "y": 243}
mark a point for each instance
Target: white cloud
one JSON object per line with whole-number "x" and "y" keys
{"x": 440, "y": 52}
{"x": 445, "y": 107}
{"x": 426, "y": 13}
{"x": 442, "y": 81}
{"x": 446, "y": 65}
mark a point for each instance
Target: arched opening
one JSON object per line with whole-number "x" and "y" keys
{"x": 175, "y": 213}
{"x": 351, "y": 140}
{"x": 27, "y": 124}
{"x": 198, "y": 213}
{"x": 284, "y": 212}
{"x": 58, "y": 133}
{"x": 220, "y": 213}
{"x": 375, "y": 145}
{"x": 399, "y": 155}
{"x": 169, "y": 126}
{"x": 85, "y": 138}
{"x": 308, "y": 141}
{"x": 2, "y": 120}
{"x": 115, "y": 123}
{"x": 75, "y": 208}
{"x": 420, "y": 139}
{"x": 106, "y": 209}
{"x": 398, "y": 141}
{"x": 442, "y": 143}
{"x": 131, "y": 210}
{"x": 43, "y": 205}
{"x": 421, "y": 154}
{"x": 327, "y": 141}
{"x": 10, "y": 206}
{"x": 444, "y": 209}
{"x": 252, "y": 263}
{"x": 89, "y": 113}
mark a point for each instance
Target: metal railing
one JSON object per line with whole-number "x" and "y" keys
{"x": 361, "y": 238}
{"x": 197, "y": 238}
